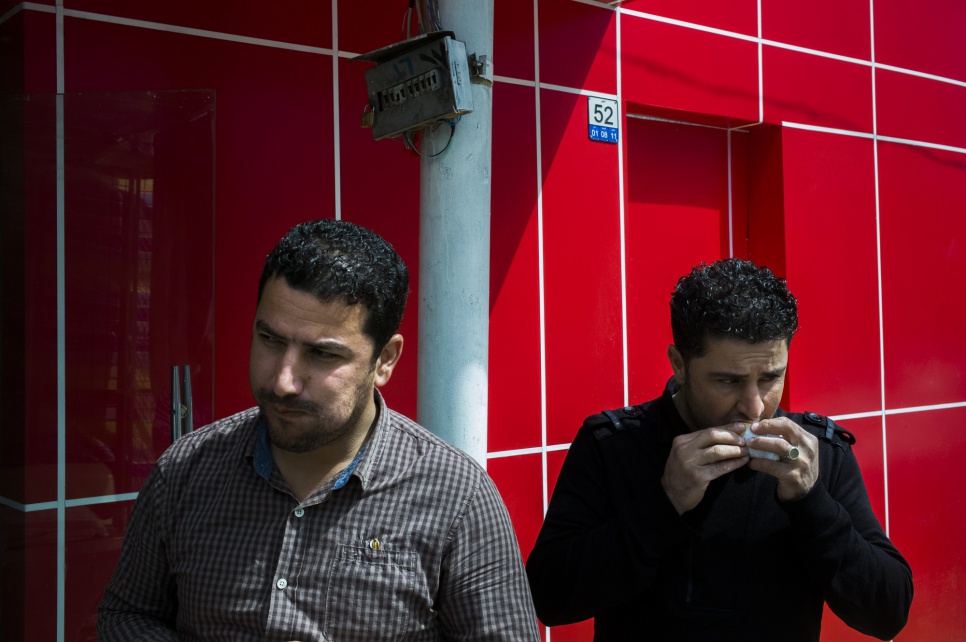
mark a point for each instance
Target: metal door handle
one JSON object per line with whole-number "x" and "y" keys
{"x": 182, "y": 421}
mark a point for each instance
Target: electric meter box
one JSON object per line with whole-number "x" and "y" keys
{"x": 417, "y": 82}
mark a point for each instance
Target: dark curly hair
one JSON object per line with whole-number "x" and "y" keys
{"x": 730, "y": 298}
{"x": 333, "y": 260}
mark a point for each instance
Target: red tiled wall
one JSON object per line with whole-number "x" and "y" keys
{"x": 589, "y": 237}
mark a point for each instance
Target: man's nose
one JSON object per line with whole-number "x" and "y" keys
{"x": 751, "y": 404}
{"x": 288, "y": 377}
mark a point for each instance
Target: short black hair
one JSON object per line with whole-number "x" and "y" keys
{"x": 730, "y": 298}
{"x": 335, "y": 260}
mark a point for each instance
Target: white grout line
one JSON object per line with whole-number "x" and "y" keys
{"x": 761, "y": 70}
{"x": 625, "y": 363}
{"x": 336, "y": 138}
{"x": 731, "y": 214}
{"x": 689, "y": 25}
{"x": 61, "y": 351}
{"x": 541, "y": 290}
{"x": 70, "y": 503}
{"x": 515, "y": 81}
{"x": 10, "y": 13}
{"x": 917, "y": 143}
{"x": 598, "y": 4}
{"x": 500, "y": 454}
{"x": 541, "y": 294}
{"x": 827, "y": 130}
{"x": 190, "y": 31}
{"x": 61, "y": 329}
{"x": 59, "y": 45}
{"x": 919, "y": 74}
{"x": 32, "y": 6}
{"x": 342, "y": 54}
{"x": 536, "y": 450}
{"x": 686, "y": 123}
{"x": 573, "y": 90}
{"x": 885, "y": 139}
{"x": 104, "y": 499}
{"x": 878, "y": 268}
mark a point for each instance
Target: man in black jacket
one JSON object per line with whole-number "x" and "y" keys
{"x": 709, "y": 513}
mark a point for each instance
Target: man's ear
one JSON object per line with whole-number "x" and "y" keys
{"x": 677, "y": 364}
{"x": 388, "y": 358}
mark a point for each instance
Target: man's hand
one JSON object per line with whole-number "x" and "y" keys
{"x": 700, "y": 457}
{"x": 795, "y": 477}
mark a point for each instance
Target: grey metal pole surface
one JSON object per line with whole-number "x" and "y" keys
{"x": 454, "y": 254}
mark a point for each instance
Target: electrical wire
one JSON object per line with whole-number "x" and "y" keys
{"x": 419, "y": 17}
{"x": 411, "y": 144}
{"x": 407, "y": 21}
{"x": 434, "y": 15}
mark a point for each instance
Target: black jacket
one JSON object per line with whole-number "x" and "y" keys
{"x": 739, "y": 566}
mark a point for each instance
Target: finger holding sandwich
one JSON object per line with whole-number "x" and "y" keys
{"x": 782, "y": 449}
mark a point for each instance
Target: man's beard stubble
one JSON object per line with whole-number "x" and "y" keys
{"x": 325, "y": 429}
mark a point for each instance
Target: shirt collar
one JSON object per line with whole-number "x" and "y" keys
{"x": 376, "y": 444}
{"x": 671, "y": 424}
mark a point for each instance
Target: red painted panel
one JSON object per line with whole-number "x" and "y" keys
{"x": 514, "y": 364}
{"x": 674, "y": 67}
{"x": 676, "y": 188}
{"x": 93, "y": 536}
{"x": 40, "y": 52}
{"x": 274, "y": 153}
{"x": 29, "y": 259}
{"x": 8, "y": 5}
{"x": 739, "y": 16}
{"x": 928, "y": 517}
{"x": 555, "y": 461}
{"x": 519, "y": 481}
{"x": 835, "y": 630}
{"x": 363, "y": 29}
{"x": 577, "y": 45}
{"x": 922, "y": 198}
{"x": 831, "y": 267}
{"x": 304, "y": 22}
{"x": 139, "y": 219}
{"x": 765, "y": 236}
{"x": 12, "y": 57}
{"x": 513, "y": 38}
{"x": 28, "y": 584}
{"x": 868, "y": 452}
{"x": 581, "y": 237}
{"x": 28, "y": 53}
{"x": 927, "y": 39}
{"x": 809, "y": 89}
{"x": 380, "y": 190}
{"x": 920, "y": 109}
{"x": 835, "y": 26}
{"x": 579, "y": 632}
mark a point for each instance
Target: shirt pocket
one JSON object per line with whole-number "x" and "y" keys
{"x": 371, "y": 594}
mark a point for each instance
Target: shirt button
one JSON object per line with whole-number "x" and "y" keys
{"x": 281, "y": 583}
{"x": 299, "y": 512}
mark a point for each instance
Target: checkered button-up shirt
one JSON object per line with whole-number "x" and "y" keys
{"x": 412, "y": 542}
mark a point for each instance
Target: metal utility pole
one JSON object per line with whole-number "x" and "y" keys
{"x": 454, "y": 252}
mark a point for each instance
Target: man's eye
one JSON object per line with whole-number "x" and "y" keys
{"x": 270, "y": 340}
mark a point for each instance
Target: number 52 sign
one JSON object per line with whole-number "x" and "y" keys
{"x": 603, "y": 119}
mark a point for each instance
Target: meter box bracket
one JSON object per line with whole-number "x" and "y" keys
{"x": 417, "y": 82}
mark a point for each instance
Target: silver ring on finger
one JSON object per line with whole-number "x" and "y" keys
{"x": 791, "y": 454}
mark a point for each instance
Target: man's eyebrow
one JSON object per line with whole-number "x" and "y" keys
{"x": 740, "y": 375}
{"x": 330, "y": 345}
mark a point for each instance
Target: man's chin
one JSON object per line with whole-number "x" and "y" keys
{"x": 292, "y": 442}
